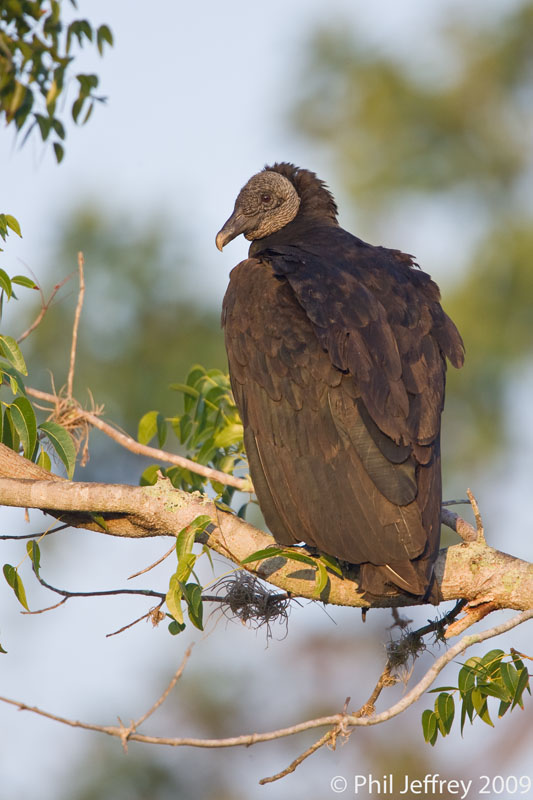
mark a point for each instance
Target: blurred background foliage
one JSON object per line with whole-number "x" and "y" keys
{"x": 454, "y": 133}
{"x": 142, "y": 324}
{"x": 440, "y": 144}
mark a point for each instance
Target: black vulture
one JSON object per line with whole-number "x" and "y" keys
{"x": 337, "y": 355}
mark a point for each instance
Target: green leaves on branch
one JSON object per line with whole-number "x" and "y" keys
{"x": 35, "y": 67}
{"x": 479, "y": 679}
{"x": 15, "y": 581}
{"x": 209, "y": 429}
{"x": 7, "y": 223}
{"x": 62, "y": 442}
{"x": 18, "y": 423}
{"x": 179, "y": 590}
{"x": 13, "y": 578}
{"x": 320, "y": 564}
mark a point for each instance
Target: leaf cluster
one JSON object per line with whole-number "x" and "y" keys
{"x": 209, "y": 429}
{"x": 496, "y": 674}
{"x": 180, "y": 589}
{"x": 35, "y": 56}
{"x": 18, "y": 422}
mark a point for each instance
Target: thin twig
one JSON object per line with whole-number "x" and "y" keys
{"x": 105, "y": 593}
{"x": 477, "y": 515}
{"x": 79, "y": 306}
{"x": 35, "y": 535}
{"x": 48, "y": 608}
{"x": 173, "y": 682}
{"x": 149, "y": 613}
{"x": 297, "y": 761}
{"x": 456, "y": 502}
{"x": 152, "y": 452}
{"x": 155, "y": 564}
{"x": 459, "y": 525}
{"x": 45, "y": 305}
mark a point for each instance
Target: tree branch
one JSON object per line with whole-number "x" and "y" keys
{"x": 466, "y": 571}
{"x": 341, "y": 722}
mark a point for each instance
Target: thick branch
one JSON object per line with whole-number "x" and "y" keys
{"x": 470, "y": 571}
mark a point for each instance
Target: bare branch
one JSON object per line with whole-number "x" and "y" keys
{"x": 154, "y": 613}
{"x": 343, "y": 722}
{"x": 155, "y": 564}
{"x": 79, "y": 306}
{"x": 173, "y": 682}
{"x": 328, "y": 737}
{"x": 45, "y": 305}
{"x": 477, "y": 515}
{"x": 458, "y": 524}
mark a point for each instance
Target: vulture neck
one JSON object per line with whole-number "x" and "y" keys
{"x": 304, "y": 229}
{"x": 317, "y": 210}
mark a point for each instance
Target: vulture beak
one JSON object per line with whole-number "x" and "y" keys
{"x": 238, "y": 223}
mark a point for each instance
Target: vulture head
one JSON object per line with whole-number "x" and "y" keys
{"x": 271, "y": 199}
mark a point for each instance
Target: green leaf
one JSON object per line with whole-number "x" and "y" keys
{"x": 98, "y": 518}
{"x": 24, "y": 420}
{"x": 149, "y": 476}
{"x": 175, "y": 627}
{"x": 15, "y": 581}
{"x": 503, "y": 708}
{"x": 493, "y": 689}
{"x": 186, "y": 537}
{"x": 429, "y": 725}
{"x": 228, "y": 436}
{"x": 260, "y": 555}
{"x": 15, "y": 379}
{"x": 332, "y": 564}
{"x": 207, "y": 552}
{"x": 185, "y": 567}
{"x": 523, "y": 681}
{"x": 467, "y": 709}
{"x": 103, "y": 34}
{"x": 467, "y": 680}
{"x": 2, "y": 650}
{"x": 173, "y": 599}
{"x": 445, "y": 709}
{"x": 294, "y": 555}
{"x": 61, "y": 440}
{"x": 10, "y": 436}
{"x": 321, "y": 578}
{"x": 480, "y": 705}
{"x": 509, "y": 676}
{"x": 11, "y": 351}
{"x": 23, "y": 280}
{"x": 59, "y": 151}
{"x": 150, "y": 424}
{"x": 34, "y": 553}
{"x": 13, "y": 224}
{"x": 5, "y": 283}
{"x": 44, "y": 461}
{"x": 195, "y": 606}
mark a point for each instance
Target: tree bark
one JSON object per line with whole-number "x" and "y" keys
{"x": 472, "y": 571}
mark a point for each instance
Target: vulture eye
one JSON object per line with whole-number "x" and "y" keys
{"x": 266, "y": 198}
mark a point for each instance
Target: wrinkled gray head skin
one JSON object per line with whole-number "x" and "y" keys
{"x": 266, "y": 204}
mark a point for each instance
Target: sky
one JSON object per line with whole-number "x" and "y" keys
{"x": 197, "y": 102}
{"x": 197, "y": 94}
